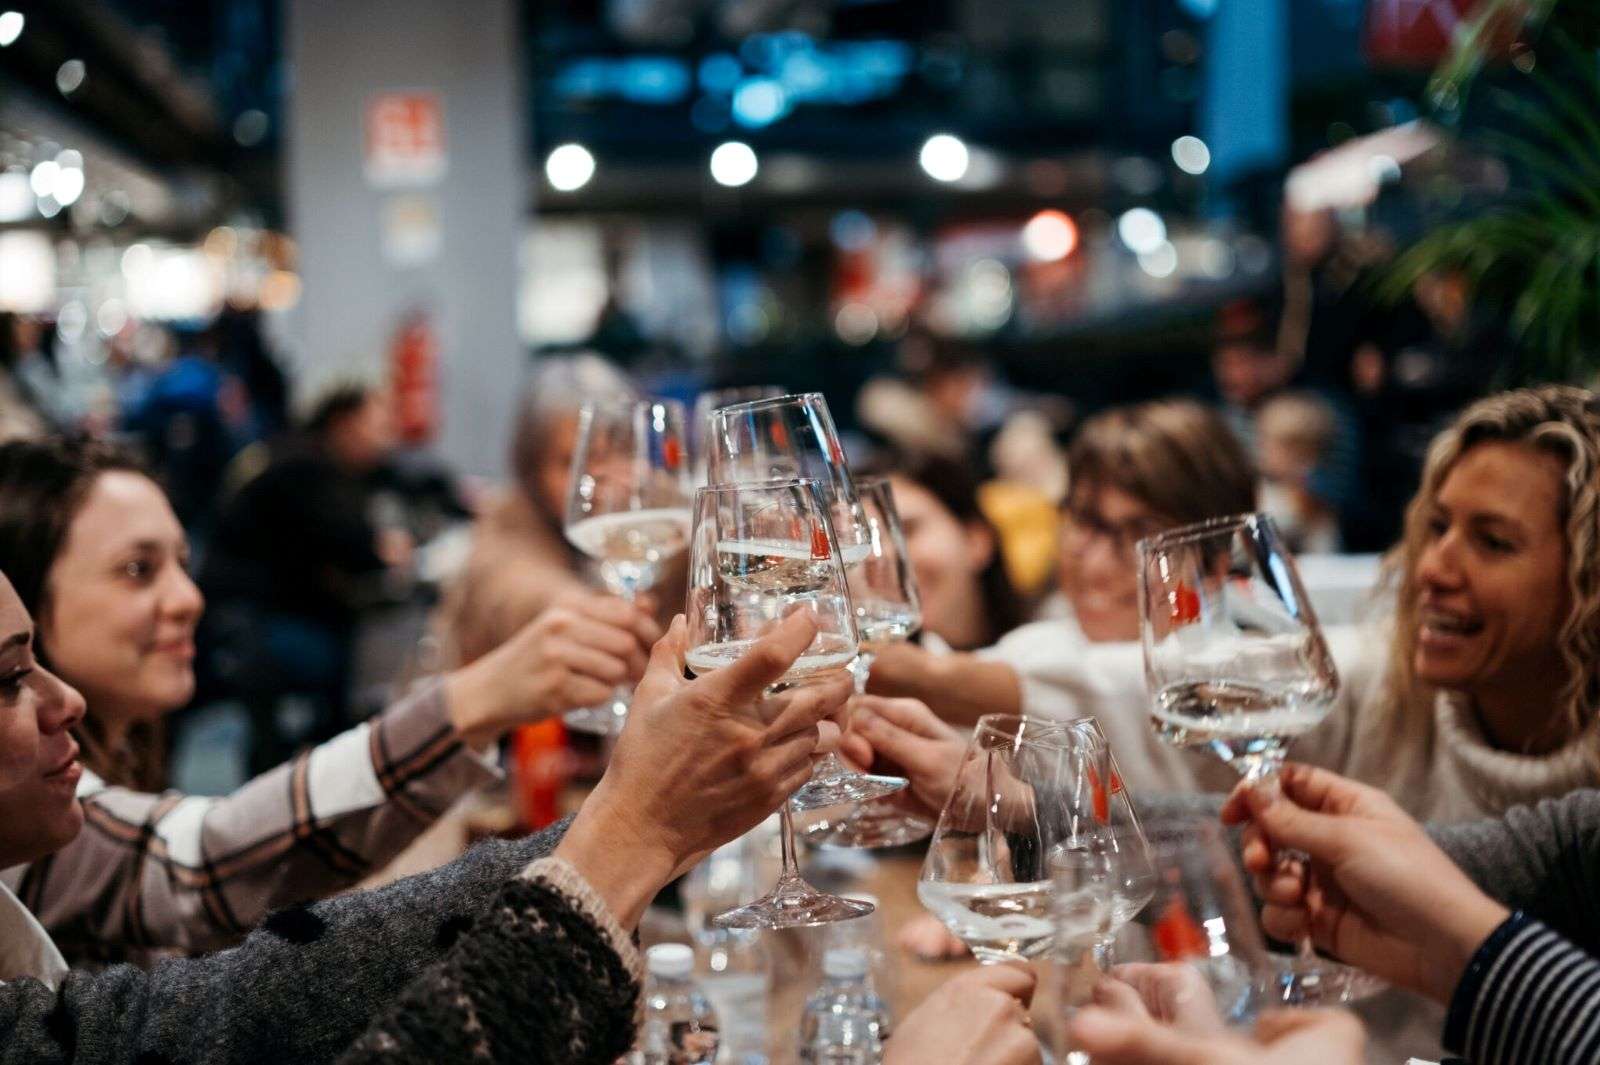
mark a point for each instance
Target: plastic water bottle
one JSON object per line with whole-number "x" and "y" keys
{"x": 680, "y": 1027}
{"x": 736, "y": 973}
{"x": 845, "y": 1022}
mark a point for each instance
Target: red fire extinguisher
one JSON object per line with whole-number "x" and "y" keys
{"x": 414, "y": 359}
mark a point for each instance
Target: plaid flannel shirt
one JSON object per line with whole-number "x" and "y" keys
{"x": 174, "y": 872}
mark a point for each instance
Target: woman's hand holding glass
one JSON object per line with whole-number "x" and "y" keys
{"x": 697, "y": 765}
{"x": 1377, "y": 893}
{"x": 572, "y": 655}
{"x": 1285, "y": 1037}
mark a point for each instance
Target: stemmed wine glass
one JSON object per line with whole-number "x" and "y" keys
{"x": 628, "y": 509}
{"x": 794, "y": 437}
{"x": 1201, "y": 919}
{"x": 1024, "y": 793}
{"x": 888, "y": 610}
{"x": 1237, "y": 665}
{"x": 759, "y": 553}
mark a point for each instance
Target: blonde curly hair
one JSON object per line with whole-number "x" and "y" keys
{"x": 1563, "y": 421}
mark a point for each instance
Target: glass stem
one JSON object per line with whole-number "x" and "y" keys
{"x": 791, "y": 864}
{"x": 1263, "y": 778}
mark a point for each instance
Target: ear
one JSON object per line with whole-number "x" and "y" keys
{"x": 980, "y": 544}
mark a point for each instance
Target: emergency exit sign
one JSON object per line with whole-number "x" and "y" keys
{"x": 404, "y": 139}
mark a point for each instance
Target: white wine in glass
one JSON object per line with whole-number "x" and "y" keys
{"x": 794, "y": 437}
{"x": 627, "y": 509}
{"x": 759, "y": 554}
{"x": 1237, "y": 665}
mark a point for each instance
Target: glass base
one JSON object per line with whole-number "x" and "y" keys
{"x": 793, "y": 904}
{"x": 845, "y": 787}
{"x": 606, "y": 719}
{"x": 869, "y": 825}
{"x": 1317, "y": 982}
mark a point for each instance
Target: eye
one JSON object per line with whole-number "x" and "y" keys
{"x": 1498, "y": 544}
{"x": 11, "y": 684}
{"x": 1437, "y": 526}
{"x": 139, "y": 570}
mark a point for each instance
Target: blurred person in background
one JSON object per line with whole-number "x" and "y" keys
{"x": 20, "y": 416}
{"x": 1249, "y": 369}
{"x": 294, "y": 558}
{"x": 1135, "y": 472}
{"x": 955, "y": 553}
{"x": 1295, "y": 434}
{"x": 96, "y": 555}
{"x": 520, "y": 560}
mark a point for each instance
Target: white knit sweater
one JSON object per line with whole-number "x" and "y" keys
{"x": 1458, "y": 777}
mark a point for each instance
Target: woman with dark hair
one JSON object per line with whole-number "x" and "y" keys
{"x": 98, "y": 558}
{"x": 515, "y": 952}
{"x": 967, "y": 601}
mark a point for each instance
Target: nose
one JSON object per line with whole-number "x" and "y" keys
{"x": 1439, "y": 567}
{"x": 183, "y": 600}
{"x": 61, "y": 707}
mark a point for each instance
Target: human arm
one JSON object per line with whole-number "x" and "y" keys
{"x": 960, "y": 688}
{"x": 1543, "y": 859}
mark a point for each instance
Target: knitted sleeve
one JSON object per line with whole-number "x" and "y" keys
{"x": 1528, "y": 997}
{"x": 1544, "y": 859}
{"x": 302, "y": 988}
{"x": 548, "y": 977}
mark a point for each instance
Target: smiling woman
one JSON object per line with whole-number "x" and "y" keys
{"x": 99, "y": 560}
{"x": 1498, "y": 586}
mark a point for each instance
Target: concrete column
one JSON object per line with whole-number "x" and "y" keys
{"x": 447, "y": 245}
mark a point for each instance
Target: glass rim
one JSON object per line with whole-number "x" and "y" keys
{"x": 1201, "y": 530}
{"x": 750, "y": 405}
{"x": 1043, "y": 727}
{"x": 628, "y": 404}
{"x": 758, "y": 486}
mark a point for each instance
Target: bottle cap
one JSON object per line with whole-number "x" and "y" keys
{"x": 672, "y": 961}
{"x": 844, "y": 963}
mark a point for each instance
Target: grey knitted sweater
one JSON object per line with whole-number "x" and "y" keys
{"x": 485, "y": 960}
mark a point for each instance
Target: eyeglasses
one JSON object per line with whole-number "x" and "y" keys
{"x": 1088, "y": 525}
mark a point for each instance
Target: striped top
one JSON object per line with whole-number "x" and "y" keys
{"x": 1528, "y": 997}
{"x": 157, "y": 873}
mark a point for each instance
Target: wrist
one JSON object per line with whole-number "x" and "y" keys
{"x": 1470, "y": 924}
{"x": 468, "y": 700}
{"x": 617, "y": 857}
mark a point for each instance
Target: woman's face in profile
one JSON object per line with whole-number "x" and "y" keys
{"x": 39, "y": 767}
{"x": 1491, "y": 581}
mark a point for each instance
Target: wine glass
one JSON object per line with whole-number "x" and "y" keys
{"x": 628, "y": 509}
{"x": 794, "y": 437}
{"x": 759, "y": 553}
{"x": 1197, "y": 922}
{"x": 1023, "y": 793}
{"x": 1236, "y": 665}
{"x": 884, "y": 590}
{"x": 700, "y": 425}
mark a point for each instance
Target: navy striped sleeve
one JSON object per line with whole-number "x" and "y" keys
{"x": 1528, "y": 997}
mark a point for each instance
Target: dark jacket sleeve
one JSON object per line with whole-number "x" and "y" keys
{"x": 1528, "y": 997}
{"x": 306, "y": 984}
{"x": 1543, "y": 859}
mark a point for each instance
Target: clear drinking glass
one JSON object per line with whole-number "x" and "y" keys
{"x": 1236, "y": 665}
{"x": 759, "y": 553}
{"x": 628, "y": 509}
{"x": 884, "y": 590}
{"x": 1024, "y": 792}
{"x": 1198, "y": 933}
{"x": 794, "y": 437}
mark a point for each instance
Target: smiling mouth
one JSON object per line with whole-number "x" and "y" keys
{"x": 1448, "y": 623}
